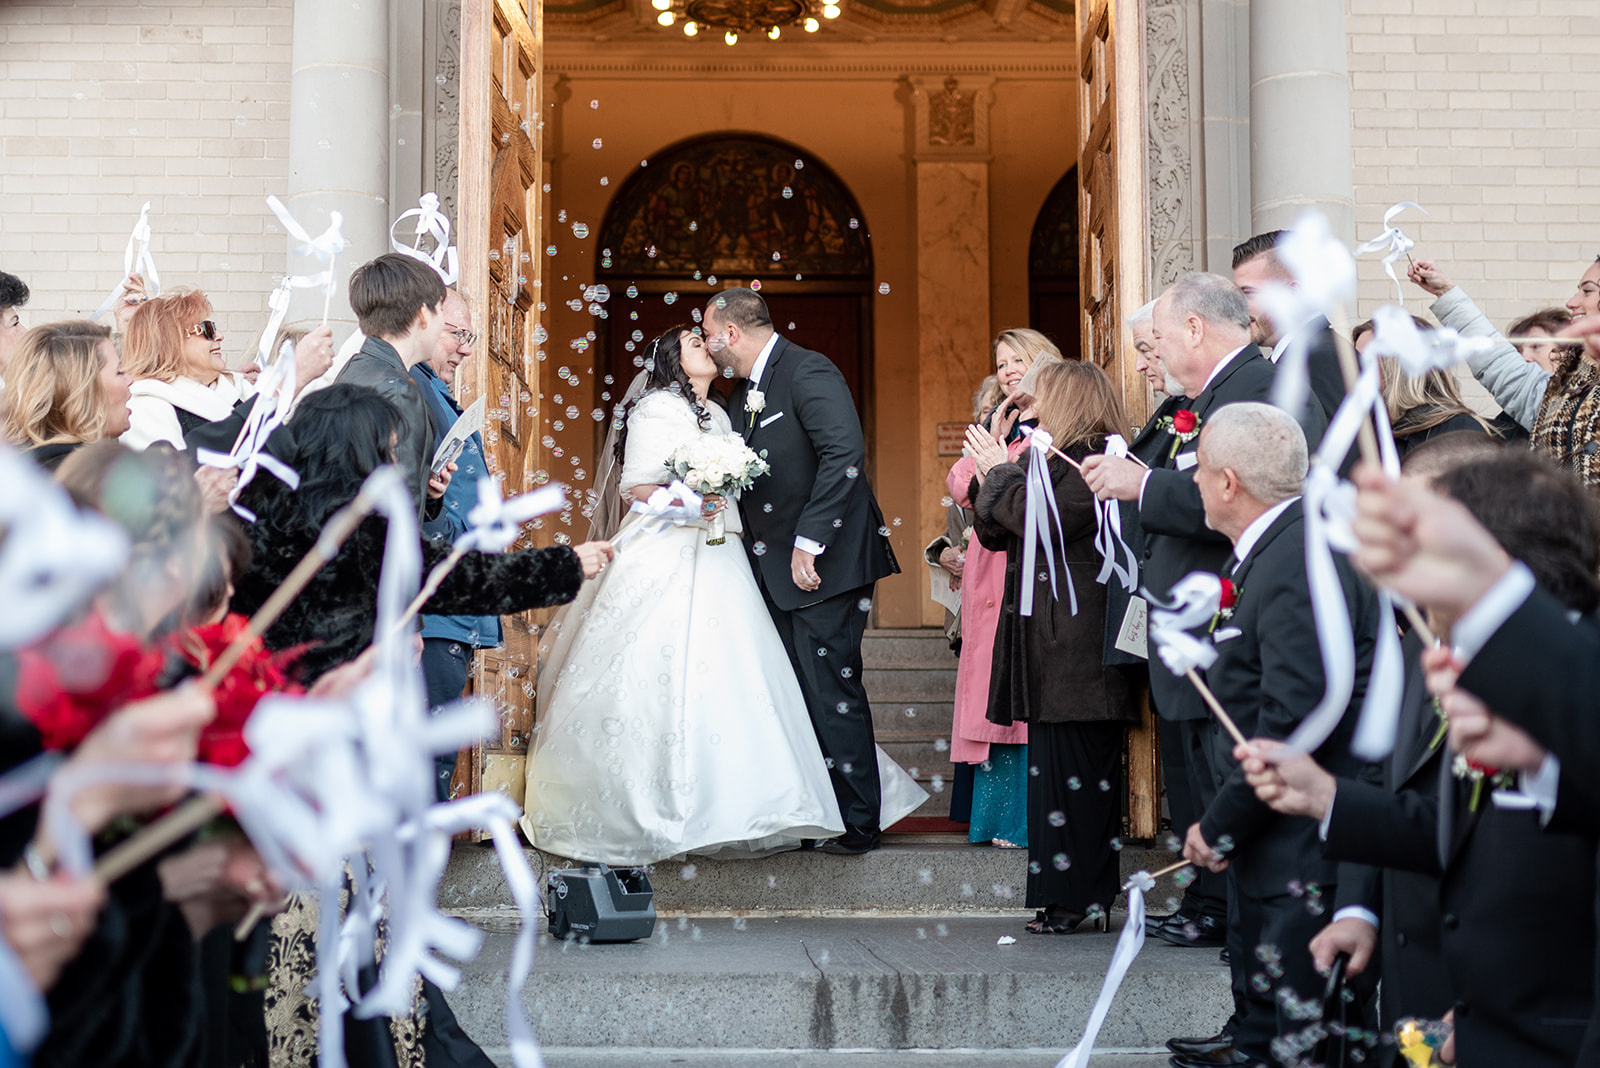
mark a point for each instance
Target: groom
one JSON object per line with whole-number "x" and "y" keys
{"x": 815, "y": 536}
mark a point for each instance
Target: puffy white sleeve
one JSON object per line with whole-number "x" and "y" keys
{"x": 658, "y": 424}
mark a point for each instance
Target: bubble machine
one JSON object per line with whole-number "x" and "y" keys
{"x": 595, "y": 903}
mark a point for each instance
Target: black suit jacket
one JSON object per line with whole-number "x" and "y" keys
{"x": 817, "y": 488}
{"x": 379, "y": 367}
{"x": 1268, "y": 675}
{"x": 1415, "y": 980}
{"x": 1172, "y": 518}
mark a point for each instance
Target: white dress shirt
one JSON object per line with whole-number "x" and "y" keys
{"x": 1209, "y": 379}
{"x": 805, "y": 545}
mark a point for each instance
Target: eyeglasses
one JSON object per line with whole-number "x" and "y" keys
{"x": 207, "y": 330}
{"x": 464, "y": 337}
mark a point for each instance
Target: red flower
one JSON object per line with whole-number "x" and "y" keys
{"x": 72, "y": 680}
{"x": 258, "y": 673}
{"x": 1184, "y": 421}
{"x": 1230, "y": 595}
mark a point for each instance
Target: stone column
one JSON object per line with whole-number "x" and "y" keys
{"x": 1300, "y": 115}
{"x": 339, "y": 140}
{"x": 951, "y": 139}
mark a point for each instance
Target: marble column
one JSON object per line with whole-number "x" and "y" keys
{"x": 1300, "y": 153}
{"x": 951, "y": 160}
{"x": 339, "y": 130}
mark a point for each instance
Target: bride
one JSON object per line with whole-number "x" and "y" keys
{"x": 670, "y": 718}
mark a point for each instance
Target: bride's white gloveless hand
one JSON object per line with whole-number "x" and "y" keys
{"x": 594, "y": 555}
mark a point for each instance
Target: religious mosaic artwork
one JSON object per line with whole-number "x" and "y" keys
{"x": 735, "y": 206}
{"x": 1053, "y": 248}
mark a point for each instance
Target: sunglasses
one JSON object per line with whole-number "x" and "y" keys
{"x": 207, "y": 330}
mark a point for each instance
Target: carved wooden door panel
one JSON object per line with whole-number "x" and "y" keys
{"x": 1112, "y": 268}
{"x": 499, "y": 240}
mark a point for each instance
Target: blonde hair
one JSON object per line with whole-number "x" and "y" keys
{"x": 1436, "y": 390}
{"x": 987, "y": 396}
{"x": 53, "y": 387}
{"x": 1028, "y": 344}
{"x": 1077, "y": 404}
{"x": 157, "y": 331}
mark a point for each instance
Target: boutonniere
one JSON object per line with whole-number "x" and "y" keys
{"x": 1477, "y": 773}
{"x": 754, "y": 402}
{"x": 1183, "y": 425}
{"x": 1225, "y": 604}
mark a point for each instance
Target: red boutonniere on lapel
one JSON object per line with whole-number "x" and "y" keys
{"x": 1225, "y": 604}
{"x": 1183, "y": 425}
{"x": 1476, "y": 773}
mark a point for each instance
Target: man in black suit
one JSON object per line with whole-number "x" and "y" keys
{"x": 1268, "y": 675}
{"x": 815, "y": 535}
{"x": 1255, "y": 265}
{"x": 1202, "y": 337}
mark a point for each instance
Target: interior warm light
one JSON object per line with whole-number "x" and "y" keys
{"x": 731, "y": 38}
{"x": 665, "y": 18}
{"x": 774, "y": 33}
{"x": 811, "y": 25}
{"x": 831, "y": 11}
{"x": 661, "y": 5}
{"x": 690, "y": 29}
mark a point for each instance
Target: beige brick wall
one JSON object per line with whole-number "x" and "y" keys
{"x": 1484, "y": 112}
{"x": 109, "y": 104}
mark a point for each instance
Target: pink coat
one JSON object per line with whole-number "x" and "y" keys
{"x": 983, "y": 584}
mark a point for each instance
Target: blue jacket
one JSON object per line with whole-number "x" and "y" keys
{"x": 480, "y": 631}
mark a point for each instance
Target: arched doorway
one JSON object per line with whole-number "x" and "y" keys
{"x": 1053, "y": 306}
{"x": 737, "y": 209}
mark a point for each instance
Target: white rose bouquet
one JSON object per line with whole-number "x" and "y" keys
{"x": 720, "y": 465}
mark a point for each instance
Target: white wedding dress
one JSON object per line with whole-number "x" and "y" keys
{"x": 670, "y": 721}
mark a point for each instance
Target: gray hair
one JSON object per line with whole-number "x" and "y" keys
{"x": 1145, "y": 314}
{"x": 1213, "y": 298}
{"x": 1263, "y": 445}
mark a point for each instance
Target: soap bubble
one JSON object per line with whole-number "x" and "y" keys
{"x": 799, "y": 164}
{"x": 1074, "y": 783}
{"x": 598, "y": 143}
{"x": 852, "y": 472}
{"x": 594, "y": 105}
{"x": 1058, "y": 818}
{"x": 580, "y": 230}
{"x": 855, "y": 224}
{"x": 1061, "y": 862}
{"x": 755, "y": 283}
{"x": 788, "y": 193}
{"x": 759, "y": 548}
{"x": 670, "y": 298}
{"x": 911, "y": 713}
{"x": 883, "y": 289}
{"x": 865, "y": 604}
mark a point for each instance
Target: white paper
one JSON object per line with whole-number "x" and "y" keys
{"x": 1132, "y": 637}
{"x": 940, "y": 590}
{"x": 470, "y": 423}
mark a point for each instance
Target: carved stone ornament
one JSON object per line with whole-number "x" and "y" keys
{"x": 950, "y": 119}
{"x": 1171, "y": 192}
{"x": 951, "y": 116}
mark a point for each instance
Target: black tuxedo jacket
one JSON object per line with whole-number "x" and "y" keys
{"x": 1322, "y": 367}
{"x": 1415, "y": 979}
{"x": 1173, "y": 520}
{"x": 817, "y": 488}
{"x": 1268, "y": 675}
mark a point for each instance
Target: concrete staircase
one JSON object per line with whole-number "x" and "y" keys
{"x": 910, "y": 677}
{"x": 895, "y": 959}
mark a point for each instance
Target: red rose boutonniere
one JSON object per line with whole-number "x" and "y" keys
{"x": 1225, "y": 604}
{"x": 1183, "y": 425}
{"x": 1477, "y": 773}
{"x": 258, "y": 673}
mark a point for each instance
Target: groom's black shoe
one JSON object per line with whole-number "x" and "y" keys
{"x": 855, "y": 840}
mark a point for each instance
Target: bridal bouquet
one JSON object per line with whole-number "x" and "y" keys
{"x": 720, "y": 465}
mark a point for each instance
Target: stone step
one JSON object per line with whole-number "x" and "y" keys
{"x": 808, "y": 983}
{"x": 930, "y": 648}
{"x": 934, "y": 718}
{"x": 924, "y": 874}
{"x": 909, "y": 684}
{"x": 640, "y": 1057}
{"x": 922, "y": 754}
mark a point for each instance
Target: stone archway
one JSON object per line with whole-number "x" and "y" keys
{"x": 738, "y": 209}
{"x": 1053, "y": 307}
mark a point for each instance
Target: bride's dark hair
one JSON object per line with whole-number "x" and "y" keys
{"x": 663, "y": 369}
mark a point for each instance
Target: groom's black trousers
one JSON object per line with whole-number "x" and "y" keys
{"x": 824, "y": 643}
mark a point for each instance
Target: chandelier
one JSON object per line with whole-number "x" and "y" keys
{"x": 735, "y": 17}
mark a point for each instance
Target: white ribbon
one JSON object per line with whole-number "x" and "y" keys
{"x": 1193, "y": 601}
{"x": 136, "y": 257}
{"x": 1325, "y": 280}
{"x": 1329, "y": 507}
{"x": 1393, "y": 243}
{"x": 325, "y": 247}
{"x": 1396, "y": 335}
{"x": 274, "y": 398}
{"x": 1129, "y": 942}
{"x": 494, "y": 525}
{"x": 1108, "y": 532}
{"x": 1038, "y": 513}
{"x": 52, "y": 555}
{"x": 661, "y": 510}
{"x": 430, "y": 222}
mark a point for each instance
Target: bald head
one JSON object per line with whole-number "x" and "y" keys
{"x": 1198, "y": 322}
{"x": 450, "y": 350}
{"x": 1252, "y": 456}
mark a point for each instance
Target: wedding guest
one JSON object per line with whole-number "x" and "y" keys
{"x": 13, "y": 295}
{"x": 997, "y": 753}
{"x": 1047, "y": 670}
{"x": 343, "y": 433}
{"x": 1421, "y": 409}
{"x": 66, "y": 388}
{"x": 1560, "y": 408}
{"x": 1255, "y": 267}
{"x": 1545, "y": 322}
{"x": 173, "y": 353}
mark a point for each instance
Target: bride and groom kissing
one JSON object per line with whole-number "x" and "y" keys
{"x": 709, "y": 698}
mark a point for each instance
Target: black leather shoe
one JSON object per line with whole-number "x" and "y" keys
{"x": 1225, "y": 957}
{"x": 1197, "y": 1047}
{"x": 1152, "y": 924}
{"x": 1200, "y": 932}
{"x": 854, "y": 841}
{"x": 1226, "y": 1057}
